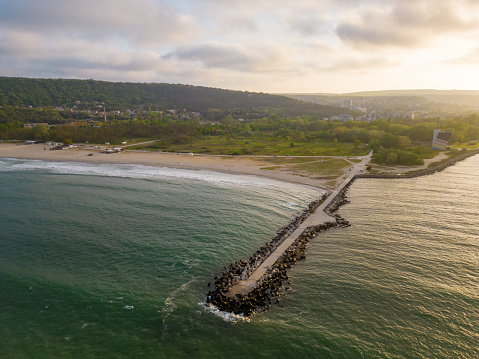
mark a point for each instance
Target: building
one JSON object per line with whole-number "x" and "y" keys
{"x": 440, "y": 139}
{"x": 31, "y": 125}
{"x": 345, "y": 118}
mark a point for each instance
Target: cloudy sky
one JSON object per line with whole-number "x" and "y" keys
{"x": 256, "y": 45}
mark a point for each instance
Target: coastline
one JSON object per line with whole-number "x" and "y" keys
{"x": 222, "y": 164}
{"x": 217, "y": 163}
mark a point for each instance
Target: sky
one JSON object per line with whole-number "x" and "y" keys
{"x": 275, "y": 46}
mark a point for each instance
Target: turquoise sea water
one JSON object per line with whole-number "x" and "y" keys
{"x": 82, "y": 244}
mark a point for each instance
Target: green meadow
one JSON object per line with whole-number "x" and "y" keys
{"x": 223, "y": 145}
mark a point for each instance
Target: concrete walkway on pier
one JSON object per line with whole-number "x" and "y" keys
{"x": 319, "y": 217}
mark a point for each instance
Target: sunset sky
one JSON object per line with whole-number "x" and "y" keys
{"x": 273, "y": 46}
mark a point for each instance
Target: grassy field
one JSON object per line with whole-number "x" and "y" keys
{"x": 221, "y": 145}
{"x": 473, "y": 145}
{"x": 328, "y": 168}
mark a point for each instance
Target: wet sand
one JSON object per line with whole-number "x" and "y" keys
{"x": 229, "y": 164}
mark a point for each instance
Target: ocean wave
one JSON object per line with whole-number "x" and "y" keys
{"x": 143, "y": 172}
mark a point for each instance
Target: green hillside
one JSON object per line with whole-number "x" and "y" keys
{"x": 122, "y": 96}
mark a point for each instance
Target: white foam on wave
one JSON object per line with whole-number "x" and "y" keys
{"x": 143, "y": 172}
{"x": 227, "y": 317}
{"x": 170, "y": 305}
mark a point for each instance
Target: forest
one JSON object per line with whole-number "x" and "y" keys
{"x": 157, "y": 96}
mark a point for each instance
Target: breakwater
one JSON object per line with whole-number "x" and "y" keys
{"x": 440, "y": 167}
{"x": 241, "y": 270}
{"x": 266, "y": 288}
{"x": 341, "y": 198}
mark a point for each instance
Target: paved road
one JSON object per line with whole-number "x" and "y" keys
{"x": 138, "y": 143}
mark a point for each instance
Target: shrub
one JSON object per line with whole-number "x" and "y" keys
{"x": 397, "y": 157}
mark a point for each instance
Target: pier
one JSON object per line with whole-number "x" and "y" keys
{"x": 247, "y": 285}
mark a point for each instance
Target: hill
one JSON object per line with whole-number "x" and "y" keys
{"x": 461, "y": 97}
{"x": 122, "y": 96}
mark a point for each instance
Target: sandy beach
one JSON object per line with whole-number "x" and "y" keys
{"x": 229, "y": 164}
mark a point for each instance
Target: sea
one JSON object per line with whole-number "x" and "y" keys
{"x": 114, "y": 261}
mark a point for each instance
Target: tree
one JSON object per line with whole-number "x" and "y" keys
{"x": 40, "y": 132}
{"x": 352, "y": 135}
{"x": 391, "y": 159}
{"x": 67, "y": 142}
{"x": 422, "y": 131}
{"x": 339, "y": 132}
{"x": 228, "y": 120}
{"x": 389, "y": 140}
{"x": 404, "y": 141}
{"x": 356, "y": 144}
{"x": 457, "y": 136}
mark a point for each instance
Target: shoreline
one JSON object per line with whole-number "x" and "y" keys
{"x": 222, "y": 164}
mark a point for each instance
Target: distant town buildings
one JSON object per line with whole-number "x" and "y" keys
{"x": 389, "y": 107}
{"x": 345, "y": 118}
{"x": 31, "y": 125}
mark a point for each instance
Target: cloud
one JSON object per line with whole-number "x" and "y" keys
{"x": 138, "y": 22}
{"x": 361, "y": 64}
{"x": 231, "y": 57}
{"x": 307, "y": 24}
{"x": 470, "y": 58}
{"x": 406, "y": 23}
{"x": 65, "y": 57}
{"x": 244, "y": 44}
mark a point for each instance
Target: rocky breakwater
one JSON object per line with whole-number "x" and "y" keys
{"x": 340, "y": 200}
{"x": 268, "y": 288}
{"x": 438, "y": 168}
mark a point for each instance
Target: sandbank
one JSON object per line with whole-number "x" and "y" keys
{"x": 229, "y": 164}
